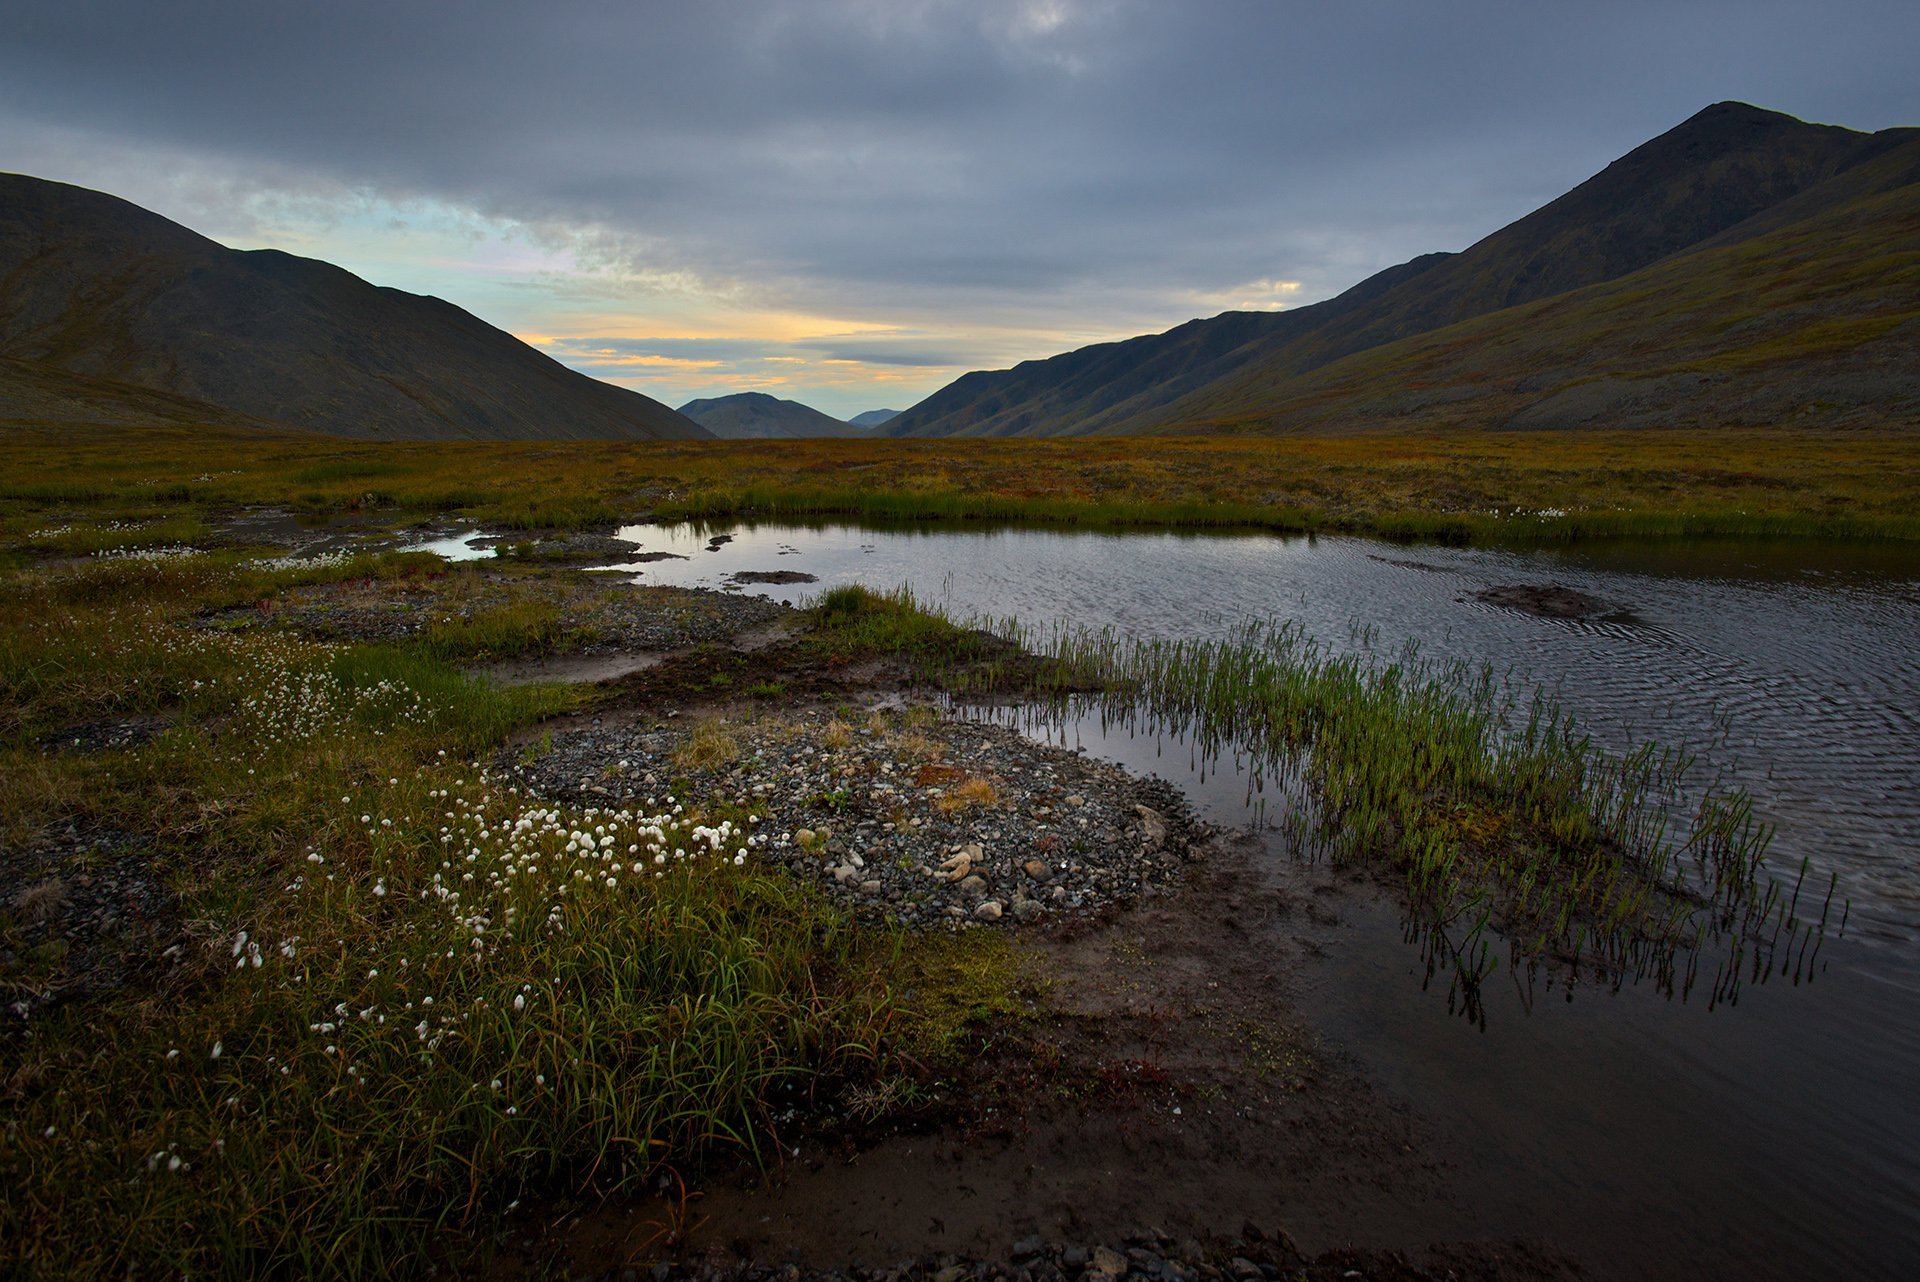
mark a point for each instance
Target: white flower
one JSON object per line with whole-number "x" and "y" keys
{"x": 219, "y": 1049}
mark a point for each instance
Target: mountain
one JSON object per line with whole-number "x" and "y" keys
{"x": 873, "y": 418}
{"x": 1807, "y": 321}
{"x": 109, "y": 312}
{"x": 1712, "y": 180}
{"x": 755, "y": 414}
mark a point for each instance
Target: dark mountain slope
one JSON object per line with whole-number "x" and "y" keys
{"x": 747, "y": 415}
{"x": 1814, "y": 323}
{"x": 98, "y": 288}
{"x": 873, "y": 418}
{"x": 33, "y": 393}
{"x": 1715, "y": 172}
{"x": 1094, "y": 387}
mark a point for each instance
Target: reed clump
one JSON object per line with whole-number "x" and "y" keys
{"x": 1496, "y": 811}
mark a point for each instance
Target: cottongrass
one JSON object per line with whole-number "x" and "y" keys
{"x": 403, "y": 994}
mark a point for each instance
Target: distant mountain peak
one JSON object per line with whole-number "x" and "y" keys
{"x": 746, "y": 415}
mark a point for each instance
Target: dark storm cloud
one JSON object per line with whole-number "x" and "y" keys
{"x": 1031, "y": 158}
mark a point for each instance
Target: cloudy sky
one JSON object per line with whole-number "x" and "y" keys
{"x": 851, "y": 202}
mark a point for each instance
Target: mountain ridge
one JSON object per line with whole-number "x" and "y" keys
{"x": 1708, "y": 176}
{"x": 97, "y": 293}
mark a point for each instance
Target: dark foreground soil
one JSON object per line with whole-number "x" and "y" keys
{"x": 1169, "y": 1107}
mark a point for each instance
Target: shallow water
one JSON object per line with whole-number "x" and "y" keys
{"x": 1653, "y": 1136}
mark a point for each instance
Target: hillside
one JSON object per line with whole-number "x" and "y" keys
{"x": 1709, "y": 179}
{"x": 873, "y": 418}
{"x": 755, "y": 414}
{"x": 1814, "y": 323}
{"x": 132, "y": 314}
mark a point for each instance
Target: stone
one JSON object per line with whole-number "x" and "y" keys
{"x": 972, "y": 885}
{"x": 988, "y": 910}
{"x": 1036, "y": 869}
{"x": 1153, "y": 826}
{"x": 1106, "y": 1262}
{"x": 1027, "y": 909}
{"x": 872, "y": 887}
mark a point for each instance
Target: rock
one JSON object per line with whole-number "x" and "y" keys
{"x": 1106, "y": 1262}
{"x": 1036, "y": 869}
{"x": 1028, "y": 1247}
{"x": 1153, "y": 826}
{"x": 988, "y": 910}
{"x": 1025, "y": 910}
{"x": 972, "y": 885}
{"x": 872, "y": 887}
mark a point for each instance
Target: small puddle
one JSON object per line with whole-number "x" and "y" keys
{"x": 570, "y": 668}
{"x": 472, "y": 545}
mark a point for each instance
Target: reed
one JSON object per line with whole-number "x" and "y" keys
{"x": 1496, "y": 812}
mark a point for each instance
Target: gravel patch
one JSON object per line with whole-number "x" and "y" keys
{"x": 926, "y": 820}
{"x": 109, "y": 734}
{"x": 80, "y": 909}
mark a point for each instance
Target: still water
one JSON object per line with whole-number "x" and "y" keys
{"x": 1652, "y": 1136}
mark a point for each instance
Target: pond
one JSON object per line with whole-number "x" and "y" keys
{"x": 1650, "y": 1135}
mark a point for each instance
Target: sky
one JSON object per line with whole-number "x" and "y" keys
{"x": 851, "y": 202}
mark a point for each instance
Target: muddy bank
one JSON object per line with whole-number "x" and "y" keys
{"x": 593, "y": 617}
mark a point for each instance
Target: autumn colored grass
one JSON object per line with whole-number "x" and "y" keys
{"x": 1456, "y": 486}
